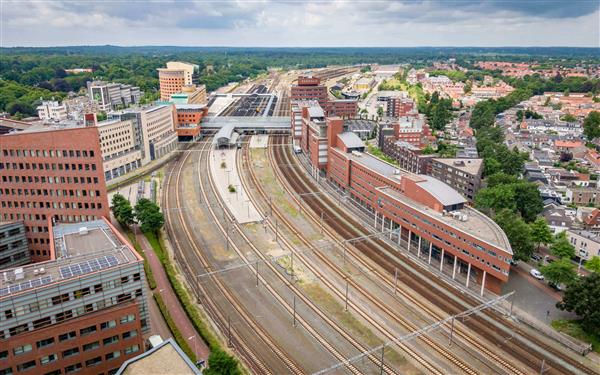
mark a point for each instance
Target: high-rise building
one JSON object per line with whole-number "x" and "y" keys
{"x": 13, "y": 245}
{"x": 51, "y": 110}
{"x": 50, "y": 173}
{"x": 175, "y": 76}
{"x": 113, "y": 95}
{"x": 84, "y": 311}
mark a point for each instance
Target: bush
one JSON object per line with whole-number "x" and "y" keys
{"x": 231, "y": 188}
{"x": 147, "y": 268}
{"x": 181, "y": 341}
{"x": 223, "y": 165}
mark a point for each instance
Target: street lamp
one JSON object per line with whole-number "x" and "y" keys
{"x": 195, "y": 344}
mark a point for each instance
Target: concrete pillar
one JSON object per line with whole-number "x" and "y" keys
{"x": 442, "y": 260}
{"x": 419, "y": 248}
{"x": 483, "y": 283}
{"x": 399, "y": 234}
{"x": 391, "y": 225}
{"x": 375, "y": 223}
{"x": 430, "y": 246}
{"x": 468, "y": 274}
{"x": 454, "y": 268}
{"x": 382, "y": 222}
{"x": 409, "y": 235}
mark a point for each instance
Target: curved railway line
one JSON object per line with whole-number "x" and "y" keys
{"x": 217, "y": 287}
{"x": 378, "y": 251}
{"x": 291, "y": 285}
{"x": 460, "y": 364}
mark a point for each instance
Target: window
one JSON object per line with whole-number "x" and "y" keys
{"x": 67, "y": 336}
{"x": 128, "y": 318}
{"x": 91, "y": 346}
{"x": 132, "y": 349}
{"x": 129, "y": 334}
{"x": 73, "y": 368}
{"x": 22, "y": 349}
{"x": 87, "y": 330}
{"x": 60, "y": 299}
{"x": 6, "y": 371}
{"x": 93, "y": 362}
{"x": 55, "y": 372}
{"x": 26, "y": 366}
{"x": 113, "y": 355}
{"x": 48, "y": 359}
{"x": 45, "y": 342}
{"x": 110, "y": 340}
{"x": 70, "y": 352}
{"x": 107, "y": 325}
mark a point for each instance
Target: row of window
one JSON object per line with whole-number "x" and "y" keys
{"x": 49, "y": 166}
{"x": 49, "y": 180}
{"x": 48, "y": 153}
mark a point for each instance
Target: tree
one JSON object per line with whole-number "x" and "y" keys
{"x": 518, "y": 233}
{"x": 591, "y": 125}
{"x": 496, "y": 198}
{"x": 593, "y": 264}
{"x": 380, "y": 111}
{"x": 561, "y": 247}
{"x": 561, "y": 271}
{"x": 540, "y": 232}
{"x": 583, "y": 298}
{"x": 528, "y": 200}
{"x": 121, "y": 208}
{"x": 149, "y": 216}
{"x": 221, "y": 363}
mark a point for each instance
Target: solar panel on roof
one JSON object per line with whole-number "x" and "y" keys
{"x": 88, "y": 266}
{"x": 29, "y": 284}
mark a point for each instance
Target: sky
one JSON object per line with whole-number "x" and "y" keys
{"x": 294, "y": 23}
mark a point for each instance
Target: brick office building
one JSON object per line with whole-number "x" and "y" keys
{"x": 84, "y": 311}
{"x": 309, "y": 88}
{"x": 189, "y": 117}
{"x": 427, "y": 211}
{"x": 51, "y": 174}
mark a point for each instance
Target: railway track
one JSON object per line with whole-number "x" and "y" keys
{"x": 216, "y": 312}
{"x": 378, "y": 251}
{"x": 297, "y": 292}
{"x": 461, "y": 365}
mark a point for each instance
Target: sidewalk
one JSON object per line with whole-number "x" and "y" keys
{"x": 168, "y": 295}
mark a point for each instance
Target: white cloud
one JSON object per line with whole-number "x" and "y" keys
{"x": 301, "y": 23}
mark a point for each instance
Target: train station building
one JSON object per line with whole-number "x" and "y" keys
{"x": 424, "y": 213}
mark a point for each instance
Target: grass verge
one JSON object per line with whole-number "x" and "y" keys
{"x": 186, "y": 301}
{"x": 573, "y": 328}
{"x": 147, "y": 269}
{"x": 181, "y": 341}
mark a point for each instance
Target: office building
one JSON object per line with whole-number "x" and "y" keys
{"x": 190, "y": 94}
{"x": 50, "y": 173}
{"x": 165, "y": 358}
{"x": 120, "y": 147}
{"x": 174, "y": 77}
{"x": 51, "y": 110}
{"x": 110, "y": 96}
{"x": 430, "y": 216}
{"x": 464, "y": 175}
{"x": 84, "y": 311}
{"x": 309, "y": 89}
{"x": 13, "y": 245}
{"x": 189, "y": 117}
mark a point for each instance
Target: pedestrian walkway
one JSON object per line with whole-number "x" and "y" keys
{"x": 163, "y": 286}
{"x": 225, "y": 174}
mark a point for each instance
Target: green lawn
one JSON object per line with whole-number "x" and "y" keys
{"x": 573, "y": 328}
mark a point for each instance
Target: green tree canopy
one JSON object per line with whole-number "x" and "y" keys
{"x": 591, "y": 125}
{"x": 593, "y": 264}
{"x": 121, "y": 208}
{"x": 561, "y": 271}
{"x": 561, "y": 247}
{"x": 583, "y": 298}
{"x": 518, "y": 233}
{"x": 148, "y": 215}
{"x": 540, "y": 231}
{"x": 221, "y": 363}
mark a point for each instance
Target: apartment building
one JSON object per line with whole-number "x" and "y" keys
{"x": 13, "y": 245}
{"x": 583, "y": 196}
{"x": 50, "y": 173}
{"x": 84, "y": 311}
{"x": 51, "y": 110}
{"x": 408, "y": 156}
{"x": 309, "y": 88}
{"x": 464, "y": 175}
{"x": 113, "y": 95}
{"x": 587, "y": 244}
{"x": 175, "y": 76}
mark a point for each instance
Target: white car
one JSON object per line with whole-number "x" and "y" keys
{"x": 537, "y": 274}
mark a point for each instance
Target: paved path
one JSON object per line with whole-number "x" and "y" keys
{"x": 168, "y": 295}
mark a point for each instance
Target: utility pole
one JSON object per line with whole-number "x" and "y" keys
{"x": 395, "y": 280}
{"x": 346, "y": 306}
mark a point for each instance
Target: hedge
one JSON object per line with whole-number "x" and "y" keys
{"x": 181, "y": 341}
{"x": 147, "y": 268}
{"x": 212, "y": 341}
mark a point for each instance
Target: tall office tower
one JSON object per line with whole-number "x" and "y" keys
{"x": 49, "y": 173}
{"x": 175, "y": 76}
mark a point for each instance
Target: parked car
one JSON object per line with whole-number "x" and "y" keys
{"x": 536, "y": 257}
{"x": 555, "y": 286}
{"x": 537, "y": 274}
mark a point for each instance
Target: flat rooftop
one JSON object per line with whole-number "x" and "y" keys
{"x": 165, "y": 358}
{"x": 81, "y": 249}
{"x": 476, "y": 224}
{"x": 471, "y": 166}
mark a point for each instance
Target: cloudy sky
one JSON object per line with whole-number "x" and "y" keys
{"x": 306, "y": 23}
